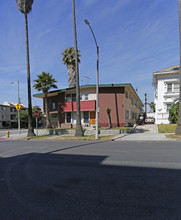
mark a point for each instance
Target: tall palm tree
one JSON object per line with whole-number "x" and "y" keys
{"x": 44, "y": 83}
{"x": 178, "y": 129}
{"x": 25, "y": 7}
{"x": 79, "y": 131}
{"x": 69, "y": 59}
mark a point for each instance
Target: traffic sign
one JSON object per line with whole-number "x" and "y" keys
{"x": 18, "y": 106}
{"x": 36, "y": 114}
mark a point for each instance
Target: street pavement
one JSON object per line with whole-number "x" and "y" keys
{"x": 90, "y": 180}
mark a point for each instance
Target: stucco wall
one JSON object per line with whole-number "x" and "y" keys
{"x": 162, "y": 98}
{"x": 111, "y": 98}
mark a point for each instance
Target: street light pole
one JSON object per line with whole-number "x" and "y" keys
{"x": 97, "y": 84}
{"x": 19, "y": 128}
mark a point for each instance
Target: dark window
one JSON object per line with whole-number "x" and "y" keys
{"x": 86, "y": 117}
{"x": 68, "y": 117}
{"x": 50, "y": 104}
{"x": 53, "y": 104}
{"x": 74, "y": 97}
{"x": 86, "y": 97}
{"x": 80, "y": 97}
{"x": 68, "y": 98}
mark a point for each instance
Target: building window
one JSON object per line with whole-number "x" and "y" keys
{"x": 13, "y": 117}
{"x": 127, "y": 114}
{"x": 13, "y": 110}
{"x": 81, "y": 97}
{"x": 3, "y": 116}
{"x": 68, "y": 117}
{"x": 176, "y": 87}
{"x": 168, "y": 107}
{"x": 3, "y": 108}
{"x": 74, "y": 97}
{"x": 68, "y": 98}
{"x": 86, "y": 117}
{"x": 53, "y": 104}
{"x": 126, "y": 94}
{"x": 169, "y": 88}
{"x": 86, "y": 97}
{"x": 132, "y": 100}
{"x": 50, "y": 104}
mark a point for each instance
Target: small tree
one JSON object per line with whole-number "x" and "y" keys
{"x": 44, "y": 83}
{"x": 24, "y": 117}
{"x": 108, "y": 110}
{"x": 152, "y": 107}
{"x": 173, "y": 113}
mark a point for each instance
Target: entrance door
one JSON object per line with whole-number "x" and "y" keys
{"x": 92, "y": 118}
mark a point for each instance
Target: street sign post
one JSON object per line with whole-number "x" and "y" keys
{"x": 18, "y": 106}
{"x": 36, "y": 114}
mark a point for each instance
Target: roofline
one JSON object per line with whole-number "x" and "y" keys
{"x": 91, "y": 86}
{"x": 164, "y": 73}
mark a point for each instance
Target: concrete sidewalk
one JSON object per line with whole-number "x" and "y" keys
{"x": 141, "y": 137}
{"x": 143, "y": 133}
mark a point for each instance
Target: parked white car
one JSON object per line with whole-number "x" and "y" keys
{"x": 149, "y": 120}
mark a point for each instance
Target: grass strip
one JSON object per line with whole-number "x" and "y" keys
{"x": 167, "y": 128}
{"x": 173, "y": 136}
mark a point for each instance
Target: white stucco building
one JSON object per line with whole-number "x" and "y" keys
{"x": 166, "y": 92}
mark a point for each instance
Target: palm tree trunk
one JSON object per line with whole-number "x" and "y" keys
{"x": 30, "y": 127}
{"x": 71, "y": 75}
{"x": 110, "y": 123}
{"x": 178, "y": 129}
{"x": 47, "y": 111}
{"x": 79, "y": 131}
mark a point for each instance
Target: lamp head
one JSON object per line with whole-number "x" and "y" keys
{"x": 86, "y": 21}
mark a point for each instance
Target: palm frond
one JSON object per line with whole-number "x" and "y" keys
{"x": 69, "y": 56}
{"x": 24, "y": 6}
{"x": 45, "y": 82}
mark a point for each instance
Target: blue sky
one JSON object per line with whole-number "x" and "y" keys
{"x": 135, "y": 37}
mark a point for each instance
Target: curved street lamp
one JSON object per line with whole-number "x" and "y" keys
{"x": 97, "y": 84}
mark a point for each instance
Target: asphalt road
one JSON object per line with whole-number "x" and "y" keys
{"x": 90, "y": 180}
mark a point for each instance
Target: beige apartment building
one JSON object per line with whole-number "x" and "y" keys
{"x": 8, "y": 114}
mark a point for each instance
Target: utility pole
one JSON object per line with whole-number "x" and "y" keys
{"x": 97, "y": 84}
{"x": 19, "y": 127}
{"x": 146, "y": 103}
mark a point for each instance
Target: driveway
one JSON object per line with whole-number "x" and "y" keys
{"x": 143, "y": 133}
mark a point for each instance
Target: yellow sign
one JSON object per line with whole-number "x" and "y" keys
{"x": 18, "y": 106}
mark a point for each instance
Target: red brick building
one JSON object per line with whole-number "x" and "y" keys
{"x": 122, "y": 99}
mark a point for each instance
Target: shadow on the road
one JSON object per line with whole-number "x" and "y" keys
{"x": 67, "y": 186}
{"x": 85, "y": 143}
